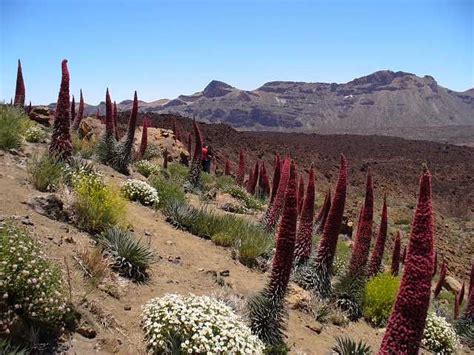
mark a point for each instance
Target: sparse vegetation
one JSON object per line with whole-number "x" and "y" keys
{"x": 347, "y": 346}
{"x": 13, "y": 126}
{"x": 168, "y": 190}
{"x": 146, "y": 168}
{"x": 379, "y": 296}
{"x": 94, "y": 264}
{"x": 34, "y": 134}
{"x": 45, "y": 172}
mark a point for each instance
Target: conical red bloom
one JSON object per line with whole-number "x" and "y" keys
{"x": 144, "y": 141}
{"x": 132, "y": 125}
{"x": 407, "y": 320}
{"x": 20, "y": 88}
{"x": 80, "y": 113}
{"x": 360, "y": 252}
{"x": 323, "y": 212}
{"x": 195, "y": 171}
{"x": 115, "y": 119}
{"x": 435, "y": 267}
{"x": 239, "y": 179}
{"x": 227, "y": 171}
{"x": 396, "y": 255}
{"x": 275, "y": 209}
{"x": 460, "y": 295}
{"x": 276, "y": 177}
{"x": 471, "y": 281}
{"x": 404, "y": 254}
{"x": 442, "y": 277}
{"x": 263, "y": 182}
{"x": 29, "y": 108}
{"x": 190, "y": 142}
{"x": 300, "y": 194}
{"x": 73, "y": 109}
{"x": 458, "y": 302}
{"x": 305, "y": 228}
{"x": 61, "y": 144}
{"x": 470, "y": 305}
{"x": 377, "y": 254}
{"x": 328, "y": 242}
{"x": 285, "y": 240}
{"x": 253, "y": 179}
{"x": 109, "y": 119}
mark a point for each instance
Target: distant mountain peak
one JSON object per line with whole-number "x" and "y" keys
{"x": 217, "y": 89}
{"x": 381, "y": 77}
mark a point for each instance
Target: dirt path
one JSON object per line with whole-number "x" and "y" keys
{"x": 186, "y": 264}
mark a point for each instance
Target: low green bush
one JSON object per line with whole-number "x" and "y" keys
{"x": 130, "y": 256}
{"x": 152, "y": 151}
{"x": 13, "y": 125}
{"x": 146, "y": 168}
{"x": 45, "y": 172}
{"x": 96, "y": 205}
{"x": 32, "y": 288}
{"x": 379, "y": 296}
{"x": 35, "y": 134}
{"x": 83, "y": 147}
{"x": 239, "y": 193}
{"x": 178, "y": 173}
{"x": 168, "y": 190}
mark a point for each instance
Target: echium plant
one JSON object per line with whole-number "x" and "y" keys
{"x": 375, "y": 262}
{"x": 239, "y": 178}
{"x": 395, "y": 268}
{"x": 323, "y": 213}
{"x": 107, "y": 146}
{"x": 80, "y": 113}
{"x": 20, "y": 88}
{"x": 276, "y": 177}
{"x": 266, "y": 309}
{"x": 195, "y": 170}
{"x": 227, "y": 171}
{"x": 407, "y": 320}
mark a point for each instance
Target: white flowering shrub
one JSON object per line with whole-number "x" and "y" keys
{"x": 439, "y": 336}
{"x": 34, "y": 134}
{"x": 31, "y": 287}
{"x": 146, "y": 168}
{"x": 196, "y": 325}
{"x": 136, "y": 190}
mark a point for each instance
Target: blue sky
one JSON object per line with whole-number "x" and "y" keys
{"x": 166, "y": 48}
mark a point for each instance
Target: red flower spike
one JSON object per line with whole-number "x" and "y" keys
{"x": 377, "y": 254}
{"x": 275, "y": 209}
{"x": 29, "y": 108}
{"x": 239, "y": 179}
{"x": 442, "y": 277}
{"x": 115, "y": 120}
{"x": 407, "y": 320}
{"x": 263, "y": 181}
{"x": 471, "y": 281}
{"x": 227, "y": 171}
{"x": 305, "y": 227}
{"x": 285, "y": 240}
{"x": 73, "y": 109}
{"x": 363, "y": 237}
{"x": 144, "y": 141}
{"x": 328, "y": 242}
{"x": 323, "y": 213}
{"x": 435, "y": 267}
{"x": 253, "y": 179}
{"x": 460, "y": 295}
{"x": 470, "y": 304}
{"x": 80, "y": 113}
{"x": 396, "y": 255}
{"x": 61, "y": 145}
{"x": 20, "y": 88}
{"x": 196, "y": 166}
{"x": 404, "y": 254}
{"x": 109, "y": 120}
{"x": 276, "y": 177}
{"x": 300, "y": 195}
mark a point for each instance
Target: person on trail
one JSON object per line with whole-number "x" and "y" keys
{"x": 206, "y": 159}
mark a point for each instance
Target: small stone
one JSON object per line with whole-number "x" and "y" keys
{"x": 225, "y": 273}
{"x": 65, "y": 228}
{"x": 69, "y": 239}
{"x": 201, "y": 269}
{"x": 148, "y": 234}
{"x": 315, "y": 327}
{"x": 87, "y": 332}
{"x": 169, "y": 242}
{"x": 127, "y": 307}
{"x": 213, "y": 273}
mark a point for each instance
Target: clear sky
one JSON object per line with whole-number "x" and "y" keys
{"x": 166, "y": 48}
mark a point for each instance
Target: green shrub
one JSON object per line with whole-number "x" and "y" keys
{"x": 225, "y": 182}
{"x": 8, "y": 348}
{"x": 13, "y": 125}
{"x": 86, "y": 148}
{"x": 130, "y": 257}
{"x": 168, "y": 190}
{"x": 341, "y": 259}
{"x": 439, "y": 336}
{"x": 34, "y": 134}
{"x": 152, "y": 151}
{"x": 96, "y": 205}
{"x": 146, "y": 168}
{"x": 45, "y": 172}
{"x": 465, "y": 330}
{"x": 178, "y": 173}
{"x": 253, "y": 242}
{"x": 137, "y": 190}
{"x": 347, "y": 346}
{"x": 239, "y": 193}
{"x": 32, "y": 287}
{"x": 223, "y": 239}
{"x": 379, "y": 296}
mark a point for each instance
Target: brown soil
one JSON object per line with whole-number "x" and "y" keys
{"x": 118, "y": 330}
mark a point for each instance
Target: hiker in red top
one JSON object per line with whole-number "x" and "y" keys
{"x": 206, "y": 159}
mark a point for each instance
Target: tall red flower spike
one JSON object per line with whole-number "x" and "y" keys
{"x": 404, "y": 254}
{"x": 29, "y": 108}
{"x": 61, "y": 145}
{"x": 249, "y": 181}
{"x": 73, "y": 109}
{"x": 263, "y": 182}
{"x": 363, "y": 237}
{"x": 239, "y": 178}
{"x": 132, "y": 125}
{"x": 442, "y": 277}
{"x": 396, "y": 255}
{"x": 300, "y": 194}
{"x": 461, "y": 293}
{"x": 274, "y": 211}
{"x": 375, "y": 262}
{"x": 80, "y": 113}
{"x": 470, "y": 304}
{"x": 109, "y": 119}
{"x": 276, "y": 177}
{"x": 305, "y": 227}
{"x": 253, "y": 179}
{"x": 20, "y": 88}
{"x": 227, "y": 171}
{"x": 458, "y": 301}
{"x": 407, "y": 320}
{"x": 435, "y": 264}
{"x": 285, "y": 240}
{"x": 195, "y": 171}
{"x": 328, "y": 242}
{"x": 323, "y": 213}
{"x": 115, "y": 120}
{"x": 190, "y": 142}
{"x": 144, "y": 141}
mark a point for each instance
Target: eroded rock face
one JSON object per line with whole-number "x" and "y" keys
{"x": 50, "y": 206}
{"x": 41, "y": 115}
